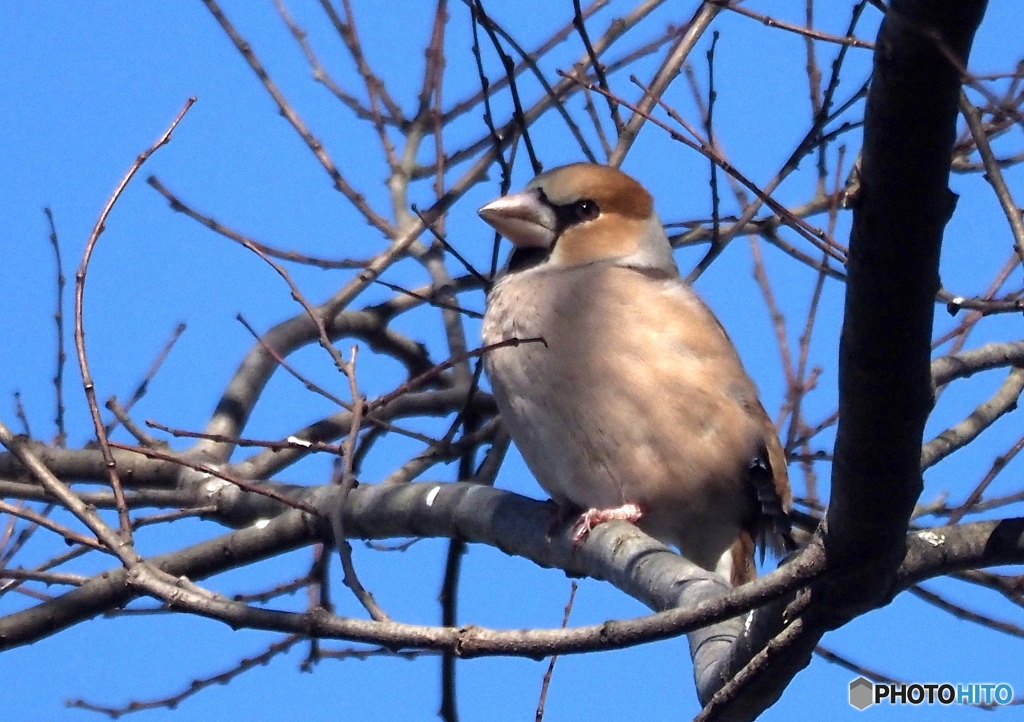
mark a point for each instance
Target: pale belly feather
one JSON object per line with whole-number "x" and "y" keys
{"x": 613, "y": 407}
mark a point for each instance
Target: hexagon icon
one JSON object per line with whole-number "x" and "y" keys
{"x": 862, "y": 693}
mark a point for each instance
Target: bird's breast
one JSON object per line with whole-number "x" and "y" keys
{"x": 635, "y": 395}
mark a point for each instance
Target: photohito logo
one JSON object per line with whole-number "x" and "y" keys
{"x": 864, "y": 693}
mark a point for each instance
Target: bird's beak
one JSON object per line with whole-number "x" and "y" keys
{"x": 523, "y": 218}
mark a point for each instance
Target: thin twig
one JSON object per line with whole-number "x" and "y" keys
{"x": 956, "y": 437}
{"x": 83, "y": 364}
{"x": 312, "y": 142}
{"x": 595, "y": 63}
{"x": 998, "y": 464}
{"x": 180, "y": 206}
{"x": 815, "y": 236}
{"x": 58, "y": 317}
{"x": 122, "y": 417}
{"x": 195, "y": 686}
{"x": 242, "y": 484}
{"x": 993, "y": 174}
{"x": 143, "y": 386}
{"x": 315, "y": 388}
{"x": 554, "y": 658}
{"x": 69, "y": 535}
{"x": 444, "y": 366}
{"x": 510, "y": 69}
{"x": 807, "y": 32}
{"x": 963, "y": 613}
{"x": 319, "y": 73}
{"x": 664, "y": 76}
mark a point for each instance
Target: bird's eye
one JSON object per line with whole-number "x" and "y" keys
{"x": 570, "y": 214}
{"x": 584, "y": 210}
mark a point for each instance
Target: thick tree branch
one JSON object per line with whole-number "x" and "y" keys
{"x": 893, "y": 276}
{"x": 884, "y": 358}
{"x": 694, "y": 601}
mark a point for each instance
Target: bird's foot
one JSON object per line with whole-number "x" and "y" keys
{"x": 592, "y": 517}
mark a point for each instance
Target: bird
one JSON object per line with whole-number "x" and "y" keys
{"x": 621, "y": 389}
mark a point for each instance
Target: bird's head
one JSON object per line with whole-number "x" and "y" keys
{"x": 582, "y": 213}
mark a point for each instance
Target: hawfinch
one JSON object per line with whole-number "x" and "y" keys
{"x": 632, "y": 403}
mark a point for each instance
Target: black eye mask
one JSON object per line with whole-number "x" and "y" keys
{"x": 573, "y": 213}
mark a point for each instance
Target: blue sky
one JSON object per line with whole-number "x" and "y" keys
{"x": 87, "y": 86}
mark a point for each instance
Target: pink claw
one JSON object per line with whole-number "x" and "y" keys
{"x": 592, "y": 517}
